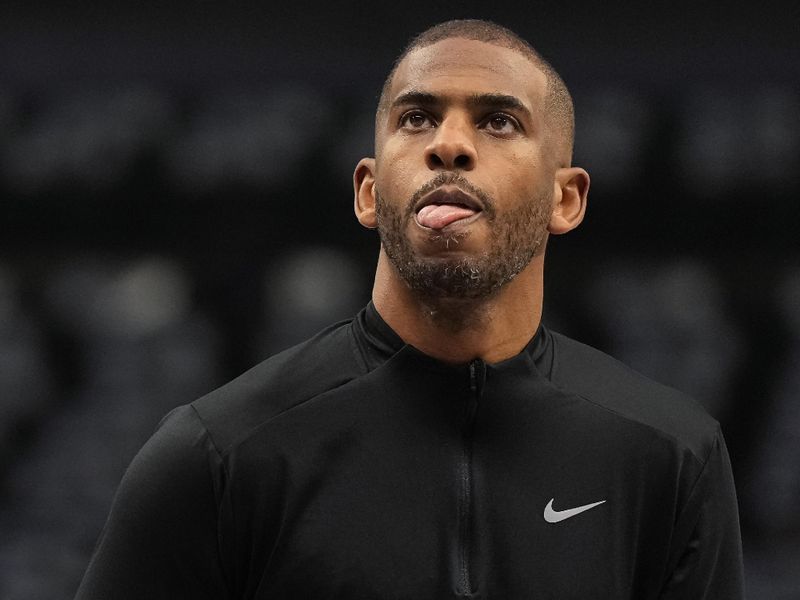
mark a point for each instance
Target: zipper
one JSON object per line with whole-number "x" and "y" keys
{"x": 477, "y": 376}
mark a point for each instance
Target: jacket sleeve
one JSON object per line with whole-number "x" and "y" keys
{"x": 706, "y": 556}
{"x": 160, "y": 540}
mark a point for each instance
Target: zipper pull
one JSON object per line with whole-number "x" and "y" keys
{"x": 477, "y": 376}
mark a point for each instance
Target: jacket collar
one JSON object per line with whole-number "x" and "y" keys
{"x": 379, "y": 342}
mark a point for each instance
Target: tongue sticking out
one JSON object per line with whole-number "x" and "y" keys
{"x": 438, "y": 216}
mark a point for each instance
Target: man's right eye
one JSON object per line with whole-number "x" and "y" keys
{"x": 415, "y": 119}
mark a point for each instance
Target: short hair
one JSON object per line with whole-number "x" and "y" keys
{"x": 559, "y": 110}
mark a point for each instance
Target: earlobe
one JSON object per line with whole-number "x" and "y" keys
{"x": 364, "y": 188}
{"x": 571, "y": 188}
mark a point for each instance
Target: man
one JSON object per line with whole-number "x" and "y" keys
{"x": 442, "y": 444}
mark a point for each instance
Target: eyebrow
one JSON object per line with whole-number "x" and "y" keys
{"x": 418, "y": 98}
{"x": 485, "y": 101}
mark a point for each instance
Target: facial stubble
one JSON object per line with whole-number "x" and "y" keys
{"x": 517, "y": 235}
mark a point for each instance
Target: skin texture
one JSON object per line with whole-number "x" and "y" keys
{"x": 465, "y": 116}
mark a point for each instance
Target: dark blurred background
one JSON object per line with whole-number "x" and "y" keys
{"x": 175, "y": 187}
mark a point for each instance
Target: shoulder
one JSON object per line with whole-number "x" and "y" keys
{"x": 328, "y": 360}
{"x": 606, "y": 382}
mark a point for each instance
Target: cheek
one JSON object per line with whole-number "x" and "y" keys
{"x": 402, "y": 159}
{"x": 518, "y": 168}
{"x": 532, "y": 180}
{"x": 517, "y": 187}
{"x": 399, "y": 181}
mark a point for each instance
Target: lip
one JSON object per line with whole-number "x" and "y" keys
{"x": 449, "y": 195}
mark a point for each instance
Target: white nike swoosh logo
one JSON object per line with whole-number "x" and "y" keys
{"x": 554, "y": 516}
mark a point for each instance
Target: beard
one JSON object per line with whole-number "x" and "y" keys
{"x": 516, "y": 235}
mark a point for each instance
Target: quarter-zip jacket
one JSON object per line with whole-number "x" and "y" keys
{"x": 355, "y": 466}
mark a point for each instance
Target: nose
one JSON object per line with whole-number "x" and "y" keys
{"x": 452, "y": 148}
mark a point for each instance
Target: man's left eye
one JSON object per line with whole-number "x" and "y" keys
{"x": 501, "y": 124}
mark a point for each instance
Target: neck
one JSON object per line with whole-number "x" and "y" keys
{"x": 455, "y": 330}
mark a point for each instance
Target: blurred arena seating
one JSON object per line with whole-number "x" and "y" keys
{"x": 142, "y": 350}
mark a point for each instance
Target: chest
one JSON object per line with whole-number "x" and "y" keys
{"x": 483, "y": 496}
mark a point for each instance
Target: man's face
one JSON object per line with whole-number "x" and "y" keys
{"x": 463, "y": 189}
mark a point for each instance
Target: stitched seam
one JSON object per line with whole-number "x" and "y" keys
{"x": 246, "y": 435}
{"x": 215, "y": 448}
{"x": 661, "y": 433}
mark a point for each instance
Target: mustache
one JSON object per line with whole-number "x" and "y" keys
{"x": 458, "y": 180}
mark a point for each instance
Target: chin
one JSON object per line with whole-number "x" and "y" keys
{"x": 454, "y": 277}
{"x": 447, "y": 244}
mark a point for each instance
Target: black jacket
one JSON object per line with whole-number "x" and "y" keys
{"x": 354, "y": 466}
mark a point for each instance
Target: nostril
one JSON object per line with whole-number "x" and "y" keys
{"x": 462, "y": 161}
{"x": 435, "y": 160}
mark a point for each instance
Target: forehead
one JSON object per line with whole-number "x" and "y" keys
{"x": 457, "y": 66}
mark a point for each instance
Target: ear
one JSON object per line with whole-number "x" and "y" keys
{"x": 364, "y": 188}
{"x": 571, "y": 188}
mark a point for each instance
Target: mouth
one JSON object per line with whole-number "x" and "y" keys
{"x": 445, "y": 206}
